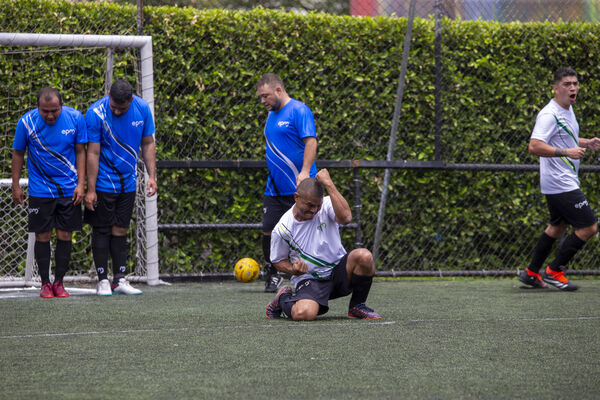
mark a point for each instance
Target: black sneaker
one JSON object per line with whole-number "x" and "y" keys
{"x": 558, "y": 280}
{"x": 272, "y": 279}
{"x": 532, "y": 279}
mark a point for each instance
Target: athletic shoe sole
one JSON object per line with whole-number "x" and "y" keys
{"x": 126, "y": 294}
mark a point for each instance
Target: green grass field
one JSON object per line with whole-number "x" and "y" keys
{"x": 438, "y": 339}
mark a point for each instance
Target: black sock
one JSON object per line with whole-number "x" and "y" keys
{"x": 41, "y": 251}
{"x": 100, "y": 251}
{"x": 361, "y": 285}
{"x": 62, "y": 256}
{"x": 266, "y": 247}
{"x": 540, "y": 252}
{"x": 570, "y": 246}
{"x": 118, "y": 253}
{"x": 286, "y": 303}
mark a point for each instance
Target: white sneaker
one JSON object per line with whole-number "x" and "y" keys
{"x": 103, "y": 288}
{"x": 125, "y": 288}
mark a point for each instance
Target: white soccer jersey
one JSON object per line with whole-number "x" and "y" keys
{"x": 316, "y": 241}
{"x": 559, "y": 128}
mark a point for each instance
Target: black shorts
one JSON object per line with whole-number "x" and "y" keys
{"x": 571, "y": 207}
{"x": 273, "y": 209}
{"x": 44, "y": 214}
{"x": 322, "y": 291}
{"x": 111, "y": 209}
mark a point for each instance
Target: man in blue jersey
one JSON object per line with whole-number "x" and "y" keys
{"x": 555, "y": 139}
{"x": 291, "y": 147}
{"x": 118, "y": 125}
{"x": 54, "y": 136}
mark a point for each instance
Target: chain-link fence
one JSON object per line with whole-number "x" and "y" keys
{"x": 438, "y": 237}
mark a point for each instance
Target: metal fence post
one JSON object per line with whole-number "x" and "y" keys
{"x": 357, "y": 205}
{"x": 392, "y": 142}
{"x": 438, "y": 82}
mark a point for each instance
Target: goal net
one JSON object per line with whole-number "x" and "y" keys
{"x": 81, "y": 67}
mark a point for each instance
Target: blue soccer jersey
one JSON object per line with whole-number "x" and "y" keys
{"x": 284, "y": 132}
{"x": 120, "y": 139}
{"x": 51, "y": 158}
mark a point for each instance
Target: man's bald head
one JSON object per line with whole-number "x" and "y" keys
{"x": 310, "y": 187}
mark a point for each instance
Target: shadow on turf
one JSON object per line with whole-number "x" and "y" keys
{"x": 540, "y": 290}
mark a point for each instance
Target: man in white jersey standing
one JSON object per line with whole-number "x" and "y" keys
{"x": 291, "y": 147}
{"x": 555, "y": 139}
{"x": 306, "y": 244}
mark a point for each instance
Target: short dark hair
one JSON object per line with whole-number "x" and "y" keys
{"x": 121, "y": 91}
{"x": 310, "y": 187}
{"x": 270, "y": 79}
{"x": 562, "y": 72}
{"x": 48, "y": 94}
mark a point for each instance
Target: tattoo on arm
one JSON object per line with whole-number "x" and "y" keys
{"x": 558, "y": 152}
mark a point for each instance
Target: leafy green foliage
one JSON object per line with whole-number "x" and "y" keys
{"x": 495, "y": 78}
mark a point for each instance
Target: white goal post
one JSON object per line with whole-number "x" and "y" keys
{"x": 146, "y": 84}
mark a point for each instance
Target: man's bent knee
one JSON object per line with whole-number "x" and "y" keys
{"x": 587, "y": 233}
{"x": 554, "y": 231}
{"x": 43, "y": 236}
{"x": 362, "y": 261}
{"x": 305, "y": 310}
{"x": 64, "y": 235}
{"x": 118, "y": 230}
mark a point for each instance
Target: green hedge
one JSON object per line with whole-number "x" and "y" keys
{"x": 496, "y": 77}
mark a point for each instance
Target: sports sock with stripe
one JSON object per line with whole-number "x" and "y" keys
{"x": 118, "y": 253}
{"x": 100, "y": 251}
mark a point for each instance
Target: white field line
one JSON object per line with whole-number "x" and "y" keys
{"x": 582, "y": 318}
{"x": 23, "y": 293}
{"x": 291, "y": 325}
{"x": 200, "y": 328}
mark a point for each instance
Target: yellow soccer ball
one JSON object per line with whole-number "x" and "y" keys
{"x": 246, "y": 270}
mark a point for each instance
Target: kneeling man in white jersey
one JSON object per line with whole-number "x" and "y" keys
{"x": 306, "y": 244}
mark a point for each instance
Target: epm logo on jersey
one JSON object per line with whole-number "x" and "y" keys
{"x": 322, "y": 226}
{"x": 282, "y": 124}
{"x": 68, "y": 132}
{"x": 137, "y": 123}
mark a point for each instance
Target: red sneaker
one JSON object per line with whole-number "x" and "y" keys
{"x": 558, "y": 279}
{"x": 59, "y": 290}
{"x": 46, "y": 292}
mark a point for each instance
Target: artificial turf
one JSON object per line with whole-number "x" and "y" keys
{"x": 438, "y": 339}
